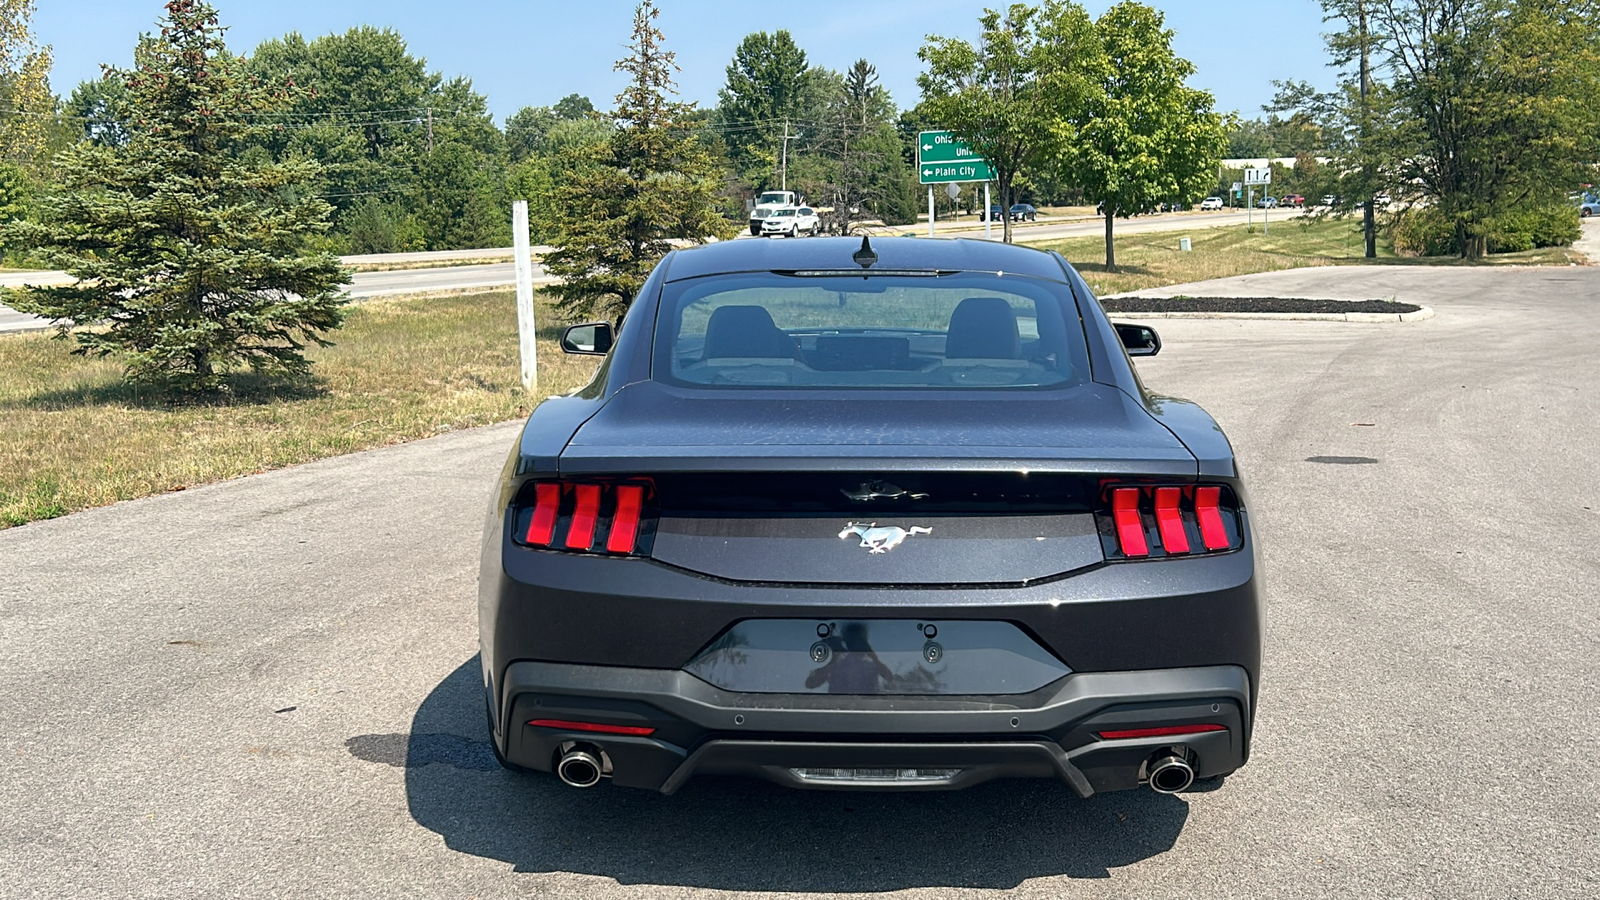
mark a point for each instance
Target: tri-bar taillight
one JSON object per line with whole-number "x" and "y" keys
{"x": 1143, "y": 521}
{"x": 610, "y": 517}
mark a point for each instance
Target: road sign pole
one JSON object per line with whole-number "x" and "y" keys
{"x": 930, "y": 210}
{"x": 1250, "y": 206}
{"x": 988, "y": 220}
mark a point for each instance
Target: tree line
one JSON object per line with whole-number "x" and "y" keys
{"x": 201, "y": 196}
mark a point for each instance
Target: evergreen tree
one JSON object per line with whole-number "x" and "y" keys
{"x": 190, "y": 257}
{"x": 650, "y": 181}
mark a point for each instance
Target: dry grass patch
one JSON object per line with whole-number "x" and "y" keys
{"x": 1153, "y": 259}
{"x": 73, "y": 435}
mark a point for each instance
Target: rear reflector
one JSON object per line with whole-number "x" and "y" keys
{"x": 1206, "y": 512}
{"x": 1130, "y": 527}
{"x": 625, "y": 522}
{"x": 543, "y": 526}
{"x": 593, "y": 727}
{"x": 580, "y": 534}
{"x": 1164, "y": 731}
{"x": 1170, "y": 521}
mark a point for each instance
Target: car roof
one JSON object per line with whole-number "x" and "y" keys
{"x": 836, "y": 253}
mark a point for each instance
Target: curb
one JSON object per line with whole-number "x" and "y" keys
{"x": 1369, "y": 318}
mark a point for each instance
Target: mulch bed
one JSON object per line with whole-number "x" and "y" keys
{"x": 1253, "y": 305}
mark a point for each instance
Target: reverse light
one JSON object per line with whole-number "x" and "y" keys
{"x": 1163, "y": 731}
{"x": 593, "y": 727}
{"x": 1168, "y": 520}
{"x": 584, "y": 516}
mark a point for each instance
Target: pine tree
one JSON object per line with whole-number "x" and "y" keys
{"x": 649, "y": 182}
{"x": 191, "y": 258}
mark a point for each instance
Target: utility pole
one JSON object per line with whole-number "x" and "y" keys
{"x": 783, "y": 167}
{"x": 1368, "y": 226}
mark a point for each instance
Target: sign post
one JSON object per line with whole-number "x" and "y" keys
{"x": 1253, "y": 177}
{"x": 988, "y": 220}
{"x": 523, "y": 257}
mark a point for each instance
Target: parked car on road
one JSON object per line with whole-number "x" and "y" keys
{"x": 1023, "y": 212}
{"x": 1589, "y": 206}
{"x": 826, "y": 520}
{"x": 1291, "y": 200}
{"x": 792, "y": 221}
{"x": 996, "y": 212}
{"x": 1267, "y": 203}
{"x": 1211, "y": 203}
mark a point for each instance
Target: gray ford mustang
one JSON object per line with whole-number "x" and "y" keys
{"x": 891, "y": 516}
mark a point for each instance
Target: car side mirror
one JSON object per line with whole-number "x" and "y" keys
{"x": 1139, "y": 340}
{"x": 588, "y": 339}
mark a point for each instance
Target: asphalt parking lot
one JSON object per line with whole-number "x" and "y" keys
{"x": 268, "y": 687}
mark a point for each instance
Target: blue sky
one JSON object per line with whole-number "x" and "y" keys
{"x": 532, "y": 52}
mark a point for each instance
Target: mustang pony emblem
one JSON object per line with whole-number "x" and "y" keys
{"x": 881, "y": 490}
{"x": 881, "y": 540}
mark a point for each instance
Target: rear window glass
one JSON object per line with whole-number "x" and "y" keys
{"x": 886, "y": 331}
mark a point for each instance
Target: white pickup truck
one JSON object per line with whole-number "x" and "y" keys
{"x": 766, "y": 204}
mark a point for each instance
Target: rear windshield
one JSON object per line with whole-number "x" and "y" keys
{"x": 962, "y": 330}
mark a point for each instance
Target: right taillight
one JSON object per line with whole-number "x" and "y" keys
{"x": 1145, "y": 521}
{"x": 611, "y": 517}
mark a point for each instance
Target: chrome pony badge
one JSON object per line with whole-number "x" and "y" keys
{"x": 881, "y": 490}
{"x": 881, "y": 540}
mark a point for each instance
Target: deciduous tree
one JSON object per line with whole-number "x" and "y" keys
{"x": 190, "y": 254}
{"x": 1013, "y": 95}
{"x": 26, "y": 103}
{"x": 1146, "y": 137}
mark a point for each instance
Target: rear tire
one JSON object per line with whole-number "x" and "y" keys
{"x": 1584, "y": 213}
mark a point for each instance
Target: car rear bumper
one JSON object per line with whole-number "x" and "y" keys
{"x": 872, "y": 741}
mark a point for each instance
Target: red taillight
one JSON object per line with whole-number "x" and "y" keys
{"x": 593, "y": 727}
{"x": 1181, "y": 513}
{"x": 580, "y": 534}
{"x": 585, "y": 516}
{"x": 1130, "y": 527}
{"x": 1207, "y": 511}
{"x": 1164, "y": 731}
{"x": 1170, "y": 521}
{"x": 625, "y": 522}
{"x": 542, "y": 527}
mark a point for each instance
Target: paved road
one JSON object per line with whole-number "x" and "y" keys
{"x": 267, "y": 687}
{"x": 363, "y": 285}
{"x": 411, "y": 281}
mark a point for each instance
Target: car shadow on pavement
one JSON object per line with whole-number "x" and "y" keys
{"x": 747, "y": 835}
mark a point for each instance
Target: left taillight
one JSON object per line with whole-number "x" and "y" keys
{"x": 612, "y": 518}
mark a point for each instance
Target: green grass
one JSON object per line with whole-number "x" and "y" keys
{"x": 73, "y": 435}
{"x": 1154, "y": 260}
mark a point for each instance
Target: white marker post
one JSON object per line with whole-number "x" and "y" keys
{"x": 523, "y": 256}
{"x": 988, "y": 220}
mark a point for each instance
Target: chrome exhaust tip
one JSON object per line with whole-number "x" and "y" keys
{"x": 1169, "y": 774}
{"x": 579, "y": 767}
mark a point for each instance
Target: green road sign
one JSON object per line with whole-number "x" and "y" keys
{"x": 941, "y": 146}
{"x": 942, "y": 159}
{"x": 943, "y": 173}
